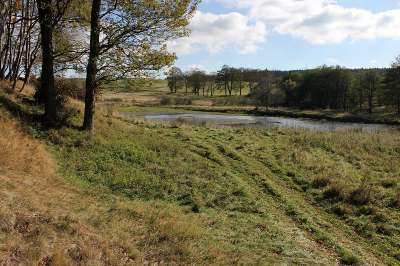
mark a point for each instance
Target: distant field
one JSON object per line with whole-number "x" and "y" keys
{"x": 156, "y": 93}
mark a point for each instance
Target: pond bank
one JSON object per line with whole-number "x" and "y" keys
{"x": 244, "y": 120}
{"x": 378, "y": 118}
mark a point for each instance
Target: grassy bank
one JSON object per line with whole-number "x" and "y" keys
{"x": 329, "y": 115}
{"x": 181, "y": 194}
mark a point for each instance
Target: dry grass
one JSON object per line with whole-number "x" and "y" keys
{"x": 28, "y": 89}
{"x": 21, "y": 154}
{"x": 45, "y": 221}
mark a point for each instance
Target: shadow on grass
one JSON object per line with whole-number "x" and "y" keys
{"x": 30, "y": 113}
{"x": 20, "y": 111}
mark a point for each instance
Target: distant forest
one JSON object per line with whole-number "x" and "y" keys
{"x": 324, "y": 87}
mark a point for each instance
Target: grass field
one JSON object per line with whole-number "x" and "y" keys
{"x": 141, "y": 193}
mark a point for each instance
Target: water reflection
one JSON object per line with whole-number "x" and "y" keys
{"x": 265, "y": 121}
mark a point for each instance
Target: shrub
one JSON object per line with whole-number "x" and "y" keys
{"x": 379, "y": 218}
{"x": 361, "y": 195}
{"x": 334, "y": 192}
{"x": 385, "y": 229}
{"x": 347, "y": 258}
{"x": 340, "y": 210}
{"x": 363, "y": 228}
{"x": 389, "y": 183}
{"x": 396, "y": 199}
{"x": 116, "y": 100}
{"x": 165, "y": 100}
{"x": 73, "y": 88}
{"x": 234, "y": 100}
{"x": 5, "y": 86}
{"x": 366, "y": 210}
{"x": 320, "y": 182}
{"x": 64, "y": 88}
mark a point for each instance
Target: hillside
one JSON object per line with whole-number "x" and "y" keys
{"x": 142, "y": 193}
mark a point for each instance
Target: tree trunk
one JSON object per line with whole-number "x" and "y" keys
{"x": 91, "y": 83}
{"x": 47, "y": 76}
{"x": 225, "y": 84}
{"x": 370, "y": 101}
{"x": 398, "y": 103}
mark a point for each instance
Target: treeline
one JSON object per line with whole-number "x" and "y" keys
{"x": 110, "y": 39}
{"x": 324, "y": 87}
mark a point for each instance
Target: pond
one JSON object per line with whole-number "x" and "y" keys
{"x": 260, "y": 121}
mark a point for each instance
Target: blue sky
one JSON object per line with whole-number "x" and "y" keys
{"x": 291, "y": 34}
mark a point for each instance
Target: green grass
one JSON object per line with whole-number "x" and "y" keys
{"x": 134, "y": 85}
{"x": 250, "y": 177}
{"x": 259, "y": 196}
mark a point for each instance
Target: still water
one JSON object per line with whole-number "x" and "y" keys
{"x": 262, "y": 121}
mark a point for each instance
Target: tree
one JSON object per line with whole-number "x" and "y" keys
{"x": 223, "y": 78}
{"x": 392, "y": 84}
{"x": 19, "y": 42}
{"x": 46, "y": 19}
{"x": 358, "y": 89}
{"x": 91, "y": 83}
{"x": 50, "y": 13}
{"x": 289, "y": 86}
{"x": 197, "y": 81}
{"x": 371, "y": 82}
{"x": 262, "y": 92}
{"x": 175, "y": 75}
{"x": 133, "y": 40}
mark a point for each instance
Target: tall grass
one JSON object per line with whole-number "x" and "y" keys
{"x": 20, "y": 153}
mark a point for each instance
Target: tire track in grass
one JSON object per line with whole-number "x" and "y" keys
{"x": 318, "y": 253}
{"x": 340, "y": 244}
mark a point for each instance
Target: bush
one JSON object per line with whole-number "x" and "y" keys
{"x": 340, "y": 210}
{"x": 321, "y": 182}
{"x": 361, "y": 195}
{"x": 385, "y": 229}
{"x": 396, "y": 199}
{"x": 65, "y": 88}
{"x": 334, "y": 192}
{"x": 366, "y": 210}
{"x": 73, "y": 88}
{"x": 234, "y": 100}
{"x": 165, "y": 100}
{"x": 6, "y": 86}
{"x": 346, "y": 258}
{"x": 389, "y": 183}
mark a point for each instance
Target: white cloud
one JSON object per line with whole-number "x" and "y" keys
{"x": 316, "y": 21}
{"x": 321, "y": 21}
{"x": 216, "y": 32}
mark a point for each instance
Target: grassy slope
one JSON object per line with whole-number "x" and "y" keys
{"x": 262, "y": 192}
{"x": 185, "y": 194}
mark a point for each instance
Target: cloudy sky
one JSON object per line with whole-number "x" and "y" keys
{"x": 291, "y": 34}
